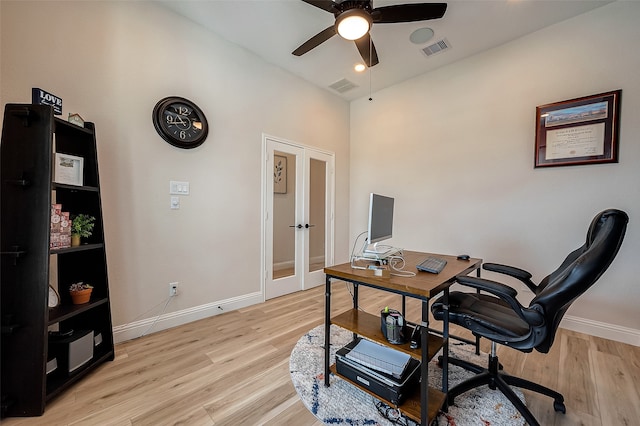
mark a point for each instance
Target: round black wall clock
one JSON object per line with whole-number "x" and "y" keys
{"x": 180, "y": 122}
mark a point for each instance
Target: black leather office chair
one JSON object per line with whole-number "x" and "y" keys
{"x": 499, "y": 316}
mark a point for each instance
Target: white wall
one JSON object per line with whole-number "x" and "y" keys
{"x": 111, "y": 62}
{"x": 455, "y": 148}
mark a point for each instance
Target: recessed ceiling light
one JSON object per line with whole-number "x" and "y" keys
{"x": 421, "y": 35}
{"x": 359, "y": 67}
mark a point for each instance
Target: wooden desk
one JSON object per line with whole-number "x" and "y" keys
{"x": 423, "y": 286}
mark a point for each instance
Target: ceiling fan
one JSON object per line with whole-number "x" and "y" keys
{"x": 354, "y": 19}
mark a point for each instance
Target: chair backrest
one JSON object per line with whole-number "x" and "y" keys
{"x": 579, "y": 271}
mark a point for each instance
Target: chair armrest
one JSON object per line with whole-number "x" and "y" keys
{"x": 505, "y": 293}
{"x": 514, "y": 272}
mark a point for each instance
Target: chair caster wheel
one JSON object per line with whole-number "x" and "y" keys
{"x": 560, "y": 407}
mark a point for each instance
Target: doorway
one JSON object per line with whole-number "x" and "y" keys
{"x": 298, "y": 185}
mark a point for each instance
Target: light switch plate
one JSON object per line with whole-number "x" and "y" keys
{"x": 178, "y": 188}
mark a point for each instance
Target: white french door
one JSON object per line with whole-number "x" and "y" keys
{"x": 298, "y": 216}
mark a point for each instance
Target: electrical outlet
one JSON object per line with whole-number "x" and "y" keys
{"x": 173, "y": 289}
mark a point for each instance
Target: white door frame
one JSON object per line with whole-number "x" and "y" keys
{"x": 306, "y": 280}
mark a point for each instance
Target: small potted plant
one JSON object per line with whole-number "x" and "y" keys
{"x": 80, "y": 292}
{"x": 81, "y": 226}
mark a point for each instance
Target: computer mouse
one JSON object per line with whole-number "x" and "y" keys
{"x": 463, "y": 257}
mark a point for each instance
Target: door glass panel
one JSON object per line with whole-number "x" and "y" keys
{"x": 317, "y": 200}
{"x": 284, "y": 215}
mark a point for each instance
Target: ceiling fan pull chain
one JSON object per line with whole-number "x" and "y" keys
{"x": 370, "y": 53}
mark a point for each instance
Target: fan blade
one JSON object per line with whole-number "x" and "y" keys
{"x": 315, "y": 41}
{"x": 367, "y": 50}
{"x": 408, "y": 12}
{"x": 327, "y": 5}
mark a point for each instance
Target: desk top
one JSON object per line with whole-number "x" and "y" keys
{"x": 424, "y": 284}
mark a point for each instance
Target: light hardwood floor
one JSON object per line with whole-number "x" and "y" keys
{"x": 233, "y": 369}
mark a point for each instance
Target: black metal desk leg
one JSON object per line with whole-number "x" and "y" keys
{"x": 355, "y": 303}
{"x": 424, "y": 367}
{"x": 327, "y": 326}
{"x": 355, "y": 295}
{"x": 445, "y": 347}
{"x": 478, "y": 337}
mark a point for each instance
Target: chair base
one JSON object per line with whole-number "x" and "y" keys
{"x": 496, "y": 379}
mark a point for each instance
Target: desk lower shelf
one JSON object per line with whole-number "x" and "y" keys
{"x": 410, "y": 407}
{"x": 368, "y": 325}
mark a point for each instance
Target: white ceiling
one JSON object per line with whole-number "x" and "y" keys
{"x": 272, "y": 29}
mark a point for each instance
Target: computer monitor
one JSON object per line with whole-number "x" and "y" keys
{"x": 380, "y": 218}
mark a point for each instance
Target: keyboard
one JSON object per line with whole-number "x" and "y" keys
{"x": 432, "y": 264}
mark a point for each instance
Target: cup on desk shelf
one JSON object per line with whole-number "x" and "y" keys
{"x": 393, "y": 326}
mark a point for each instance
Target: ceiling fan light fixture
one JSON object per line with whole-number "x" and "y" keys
{"x": 353, "y": 24}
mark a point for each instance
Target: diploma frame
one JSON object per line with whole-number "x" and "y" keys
{"x": 578, "y": 131}
{"x": 68, "y": 169}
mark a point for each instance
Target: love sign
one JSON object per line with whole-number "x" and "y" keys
{"x": 41, "y": 97}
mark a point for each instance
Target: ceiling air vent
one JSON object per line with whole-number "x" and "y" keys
{"x": 343, "y": 85}
{"x": 437, "y": 47}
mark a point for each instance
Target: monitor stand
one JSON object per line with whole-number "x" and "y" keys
{"x": 373, "y": 252}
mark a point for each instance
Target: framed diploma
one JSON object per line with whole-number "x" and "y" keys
{"x": 578, "y": 131}
{"x": 68, "y": 169}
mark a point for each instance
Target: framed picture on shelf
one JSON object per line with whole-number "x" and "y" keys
{"x": 68, "y": 169}
{"x": 578, "y": 131}
{"x": 279, "y": 174}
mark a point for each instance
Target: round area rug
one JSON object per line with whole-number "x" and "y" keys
{"x": 342, "y": 403}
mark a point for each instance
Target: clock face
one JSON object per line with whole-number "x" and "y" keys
{"x": 180, "y": 122}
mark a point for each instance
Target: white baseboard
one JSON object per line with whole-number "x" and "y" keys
{"x": 279, "y": 266}
{"x": 289, "y": 264}
{"x": 600, "y": 329}
{"x": 317, "y": 260}
{"x": 134, "y": 330}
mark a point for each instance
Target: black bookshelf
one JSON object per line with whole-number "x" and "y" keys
{"x": 31, "y": 136}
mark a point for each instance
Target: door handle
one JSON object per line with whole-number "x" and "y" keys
{"x": 308, "y": 226}
{"x": 299, "y": 226}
